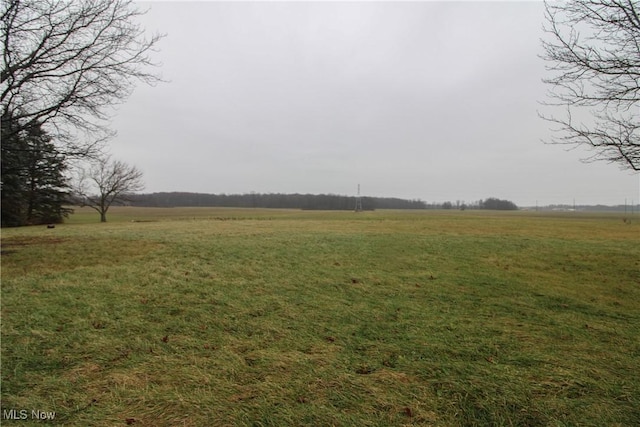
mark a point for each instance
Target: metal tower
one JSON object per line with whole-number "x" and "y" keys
{"x": 358, "y": 201}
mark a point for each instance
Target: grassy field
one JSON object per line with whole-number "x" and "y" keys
{"x": 222, "y": 317}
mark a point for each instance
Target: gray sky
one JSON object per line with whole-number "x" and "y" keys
{"x": 429, "y": 100}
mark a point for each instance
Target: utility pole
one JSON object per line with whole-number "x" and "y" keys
{"x": 358, "y": 201}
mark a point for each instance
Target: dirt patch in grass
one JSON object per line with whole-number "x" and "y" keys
{"x": 41, "y": 254}
{"x": 10, "y": 245}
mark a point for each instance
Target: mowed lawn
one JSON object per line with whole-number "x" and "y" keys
{"x": 228, "y": 317}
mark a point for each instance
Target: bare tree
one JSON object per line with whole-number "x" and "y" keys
{"x": 64, "y": 62}
{"x": 106, "y": 182}
{"x": 593, "y": 55}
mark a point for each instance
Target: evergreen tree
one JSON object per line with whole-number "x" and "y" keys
{"x": 13, "y": 181}
{"x": 34, "y": 185}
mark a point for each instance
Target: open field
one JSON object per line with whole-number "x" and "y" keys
{"x": 224, "y": 317}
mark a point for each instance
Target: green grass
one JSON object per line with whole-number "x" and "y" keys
{"x": 199, "y": 317}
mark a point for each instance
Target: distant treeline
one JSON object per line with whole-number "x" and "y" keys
{"x": 497, "y": 204}
{"x": 491, "y": 204}
{"x": 272, "y": 200}
{"x": 302, "y": 201}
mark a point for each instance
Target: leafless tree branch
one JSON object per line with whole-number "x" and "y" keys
{"x": 65, "y": 62}
{"x": 592, "y": 49}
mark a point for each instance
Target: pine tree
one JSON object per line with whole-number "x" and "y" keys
{"x": 34, "y": 185}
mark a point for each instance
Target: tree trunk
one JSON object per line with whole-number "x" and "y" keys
{"x": 103, "y": 216}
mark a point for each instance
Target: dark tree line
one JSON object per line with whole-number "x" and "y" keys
{"x": 272, "y": 200}
{"x": 497, "y": 204}
{"x": 491, "y": 203}
{"x": 302, "y": 201}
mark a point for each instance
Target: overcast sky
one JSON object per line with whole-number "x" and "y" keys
{"x": 429, "y": 100}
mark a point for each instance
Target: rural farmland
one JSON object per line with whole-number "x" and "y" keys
{"x": 258, "y": 317}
